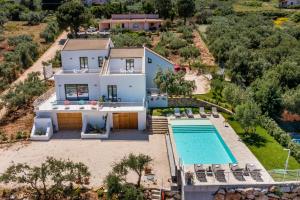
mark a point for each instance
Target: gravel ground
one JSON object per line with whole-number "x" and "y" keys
{"x": 98, "y": 155}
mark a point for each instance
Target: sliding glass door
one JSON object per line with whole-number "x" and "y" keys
{"x": 77, "y": 92}
{"x": 83, "y": 62}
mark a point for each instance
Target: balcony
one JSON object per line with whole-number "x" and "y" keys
{"x": 76, "y": 71}
{"x": 51, "y": 104}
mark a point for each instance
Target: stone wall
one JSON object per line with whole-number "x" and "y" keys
{"x": 193, "y": 102}
{"x": 284, "y": 192}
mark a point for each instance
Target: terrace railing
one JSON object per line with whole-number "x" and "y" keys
{"x": 41, "y": 99}
{"x": 281, "y": 175}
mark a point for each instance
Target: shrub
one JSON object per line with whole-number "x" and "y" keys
{"x": 177, "y": 44}
{"x": 21, "y": 135}
{"x": 162, "y": 50}
{"x": 50, "y": 32}
{"x": 296, "y": 17}
{"x": 281, "y": 136}
{"x": 130, "y": 40}
{"x": 253, "y": 3}
{"x": 14, "y": 41}
{"x": 189, "y": 52}
{"x": 3, "y": 137}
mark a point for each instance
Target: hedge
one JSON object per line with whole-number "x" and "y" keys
{"x": 280, "y": 136}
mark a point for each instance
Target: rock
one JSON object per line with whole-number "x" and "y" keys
{"x": 219, "y": 197}
{"x": 233, "y": 196}
{"x": 262, "y": 197}
{"x": 273, "y": 196}
{"x": 296, "y": 190}
{"x": 273, "y": 189}
{"x": 264, "y": 191}
{"x": 250, "y": 196}
{"x": 221, "y": 191}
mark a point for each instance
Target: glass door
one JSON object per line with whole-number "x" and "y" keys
{"x": 83, "y": 62}
{"x": 112, "y": 93}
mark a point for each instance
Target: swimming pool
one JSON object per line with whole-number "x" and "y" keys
{"x": 198, "y": 142}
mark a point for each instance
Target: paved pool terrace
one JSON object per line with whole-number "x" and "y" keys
{"x": 239, "y": 150}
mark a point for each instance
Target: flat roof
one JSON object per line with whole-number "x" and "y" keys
{"x": 127, "y": 52}
{"x": 130, "y": 20}
{"x": 86, "y": 44}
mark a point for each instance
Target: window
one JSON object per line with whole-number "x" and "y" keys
{"x": 129, "y": 64}
{"x": 100, "y": 61}
{"x": 149, "y": 60}
{"x": 83, "y": 62}
{"x": 112, "y": 92}
{"x": 77, "y": 91}
{"x": 135, "y": 25}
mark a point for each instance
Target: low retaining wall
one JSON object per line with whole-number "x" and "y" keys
{"x": 273, "y": 192}
{"x": 193, "y": 102}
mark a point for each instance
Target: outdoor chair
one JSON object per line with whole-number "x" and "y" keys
{"x": 219, "y": 173}
{"x": 202, "y": 112}
{"x": 177, "y": 112}
{"x": 254, "y": 172}
{"x": 189, "y": 113}
{"x": 237, "y": 172}
{"x": 214, "y": 112}
{"x": 200, "y": 172}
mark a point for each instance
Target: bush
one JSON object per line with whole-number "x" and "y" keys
{"x": 177, "y": 44}
{"x": 162, "y": 51}
{"x": 280, "y": 136}
{"x": 130, "y": 40}
{"x": 3, "y": 137}
{"x": 189, "y": 52}
{"x": 21, "y": 135}
{"x": 296, "y": 17}
{"x": 253, "y": 3}
{"x": 50, "y": 32}
{"x": 14, "y": 41}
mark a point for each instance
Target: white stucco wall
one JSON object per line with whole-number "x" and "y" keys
{"x": 115, "y": 64}
{"x": 130, "y": 87}
{"x": 70, "y": 59}
{"x": 95, "y": 118}
{"x": 92, "y": 79}
{"x": 152, "y": 68}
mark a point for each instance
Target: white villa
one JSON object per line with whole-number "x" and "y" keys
{"x": 99, "y": 85}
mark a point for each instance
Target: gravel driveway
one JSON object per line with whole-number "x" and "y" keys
{"x": 98, "y": 155}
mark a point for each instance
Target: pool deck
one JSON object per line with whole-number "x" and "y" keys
{"x": 240, "y": 151}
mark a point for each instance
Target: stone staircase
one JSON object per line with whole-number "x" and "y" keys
{"x": 155, "y": 194}
{"x": 157, "y": 125}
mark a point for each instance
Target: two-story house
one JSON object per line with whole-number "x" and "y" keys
{"x": 99, "y": 84}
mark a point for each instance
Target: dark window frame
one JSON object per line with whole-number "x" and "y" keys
{"x": 78, "y": 97}
{"x": 129, "y": 63}
{"x": 84, "y": 62}
{"x": 100, "y": 61}
{"x": 149, "y": 60}
{"x": 112, "y": 92}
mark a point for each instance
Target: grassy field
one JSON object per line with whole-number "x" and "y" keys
{"x": 266, "y": 149}
{"x": 14, "y": 28}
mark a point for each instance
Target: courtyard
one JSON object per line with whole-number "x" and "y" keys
{"x": 98, "y": 155}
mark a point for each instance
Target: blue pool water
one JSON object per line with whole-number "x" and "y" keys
{"x": 201, "y": 144}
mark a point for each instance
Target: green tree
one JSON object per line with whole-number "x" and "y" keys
{"x": 163, "y": 7}
{"x": 247, "y": 115}
{"x": 138, "y": 164}
{"x": 234, "y": 94}
{"x": 186, "y": 8}
{"x": 72, "y": 14}
{"x": 148, "y": 7}
{"x": 114, "y": 185}
{"x": 173, "y": 83}
{"x": 291, "y": 100}
{"x": 48, "y": 180}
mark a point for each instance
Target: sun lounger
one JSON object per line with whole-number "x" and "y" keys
{"x": 189, "y": 113}
{"x": 200, "y": 172}
{"x": 177, "y": 112}
{"x": 214, "y": 112}
{"x": 219, "y": 173}
{"x": 202, "y": 112}
{"x": 254, "y": 172}
{"x": 237, "y": 172}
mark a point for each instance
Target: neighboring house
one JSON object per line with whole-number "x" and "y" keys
{"x": 288, "y": 3}
{"x": 132, "y": 22}
{"x": 93, "y": 69}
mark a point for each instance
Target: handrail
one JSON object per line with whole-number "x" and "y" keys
{"x": 41, "y": 99}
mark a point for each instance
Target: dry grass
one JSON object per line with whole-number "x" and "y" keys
{"x": 15, "y": 28}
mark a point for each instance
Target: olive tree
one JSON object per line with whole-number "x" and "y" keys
{"x": 51, "y": 178}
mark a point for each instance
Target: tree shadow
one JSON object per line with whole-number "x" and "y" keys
{"x": 254, "y": 139}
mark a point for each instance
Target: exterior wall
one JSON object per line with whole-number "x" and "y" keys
{"x": 130, "y": 87}
{"x": 142, "y": 120}
{"x": 95, "y": 118}
{"x": 70, "y": 59}
{"x": 51, "y": 115}
{"x": 152, "y": 68}
{"x": 92, "y": 79}
{"x": 117, "y": 64}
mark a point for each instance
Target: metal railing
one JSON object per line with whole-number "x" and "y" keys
{"x": 79, "y": 71}
{"x": 281, "y": 175}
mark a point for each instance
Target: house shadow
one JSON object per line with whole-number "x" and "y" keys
{"x": 128, "y": 135}
{"x": 69, "y": 134}
{"x": 254, "y": 139}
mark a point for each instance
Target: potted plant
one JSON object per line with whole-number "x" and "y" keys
{"x": 189, "y": 178}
